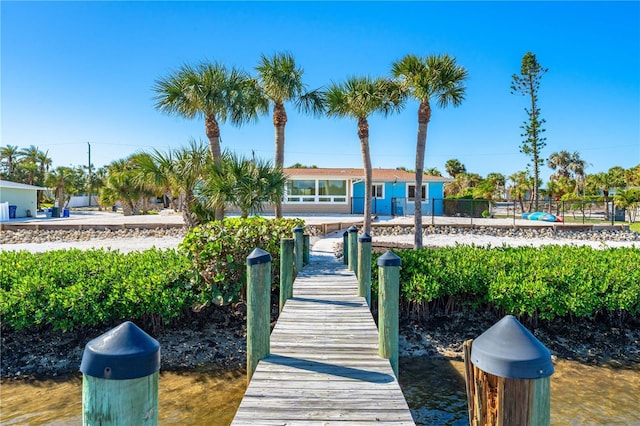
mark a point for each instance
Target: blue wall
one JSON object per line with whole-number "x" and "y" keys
{"x": 395, "y": 199}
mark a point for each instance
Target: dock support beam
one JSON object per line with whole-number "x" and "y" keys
{"x": 305, "y": 250}
{"x": 120, "y": 378}
{"x": 388, "y": 304}
{"x": 353, "y": 249}
{"x": 258, "y": 308}
{"x": 364, "y": 267}
{"x": 298, "y": 251}
{"x": 286, "y": 270}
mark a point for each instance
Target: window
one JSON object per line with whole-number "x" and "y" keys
{"x": 411, "y": 192}
{"x": 377, "y": 190}
{"x": 316, "y": 191}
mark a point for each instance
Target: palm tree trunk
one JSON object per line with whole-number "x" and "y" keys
{"x": 424, "y": 115}
{"x": 363, "y": 134}
{"x": 213, "y": 134}
{"x": 279, "y": 123}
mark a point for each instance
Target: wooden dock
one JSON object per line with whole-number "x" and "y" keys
{"x": 324, "y": 366}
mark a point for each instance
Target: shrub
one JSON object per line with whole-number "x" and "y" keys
{"x": 218, "y": 252}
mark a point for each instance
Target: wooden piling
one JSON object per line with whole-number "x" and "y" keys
{"x": 120, "y": 378}
{"x": 388, "y": 305}
{"x": 286, "y": 270}
{"x": 353, "y": 249}
{"x": 305, "y": 249}
{"x": 258, "y": 308}
{"x": 507, "y": 375}
{"x": 345, "y": 247}
{"x": 364, "y": 267}
{"x": 298, "y": 250}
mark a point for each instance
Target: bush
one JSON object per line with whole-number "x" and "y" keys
{"x": 546, "y": 282}
{"x": 67, "y": 289}
{"x": 218, "y": 252}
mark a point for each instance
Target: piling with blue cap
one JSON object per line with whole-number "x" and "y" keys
{"x": 388, "y": 307}
{"x": 120, "y": 378}
{"x": 258, "y": 308}
{"x": 507, "y": 366}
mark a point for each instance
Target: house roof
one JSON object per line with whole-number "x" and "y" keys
{"x": 353, "y": 173}
{"x": 15, "y": 185}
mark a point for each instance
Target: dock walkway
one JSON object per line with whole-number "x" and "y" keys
{"x": 324, "y": 366}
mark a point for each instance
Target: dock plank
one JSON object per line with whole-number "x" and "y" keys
{"x": 324, "y": 367}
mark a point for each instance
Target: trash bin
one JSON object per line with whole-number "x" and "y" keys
{"x": 12, "y": 212}
{"x": 55, "y": 212}
{"x": 65, "y": 213}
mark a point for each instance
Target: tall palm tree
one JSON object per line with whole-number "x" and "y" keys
{"x": 454, "y": 167}
{"x": 281, "y": 82}
{"x": 9, "y": 155}
{"x": 436, "y": 77}
{"x": 212, "y": 91}
{"x": 64, "y": 180}
{"x": 358, "y": 98}
{"x": 29, "y": 161}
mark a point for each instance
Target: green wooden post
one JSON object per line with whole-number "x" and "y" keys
{"x": 298, "y": 250}
{"x": 364, "y": 267}
{"x": 353, "y": 249}
{"x": 388, "y": 304}
{"x": 120, "y": 378}
{"x": 305, "y": 250}
{"x": 345, "y": 247}
{"x": 258, "y": 308}
{"x": 286, "y": 270}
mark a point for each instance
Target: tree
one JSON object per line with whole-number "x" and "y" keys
{"x": 281, "y": 82}
{"x": 521, "y": 185}
{"x": 215, "y": 93}
{"x": 358, "y": 98}
{"x": 528, "y": 84}
{"x": 454, "y": 167}
{"x": 66, "y": 181}
{"x": 614, "y": 178}
{"x": 29, "y": 158}
{"x": 628, "y": 199}
{"x": 434, "y": 77}
{"x": 568, "y": 165}
{"x": 9, "y": 156}
{"x": 432, "y": 171}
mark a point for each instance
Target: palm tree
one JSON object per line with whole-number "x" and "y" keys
{"x": 454, "y": 167}
{"x": 432, "y": 171}
{"x": 568, "y": 165}
{"x": 65, "y": 181}
{"x": 281, "y": 82}
{"x": 29, "y": 161}
{"x": 522, "y": 184}
{"x": 358, "y": 98}
{"x": 9, "y": 155}
{"x": 435, "y": 77}
{"x": 211, "y": 91}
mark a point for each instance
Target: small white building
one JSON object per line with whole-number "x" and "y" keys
{"x": 23, "y": 197}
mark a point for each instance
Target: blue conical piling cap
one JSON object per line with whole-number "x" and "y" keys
{"x": 298, "y": 229}
{"x": 124, "y": 352}
{"x": 507, "y": 349}
{"x": 364, "y": 238}
{"x": 389, "y": 259}
{"x": 257, "y": 257}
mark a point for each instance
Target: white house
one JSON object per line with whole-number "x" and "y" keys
{"x": 23, "y": 197}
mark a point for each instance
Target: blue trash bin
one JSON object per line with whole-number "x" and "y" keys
{"x": 65, "y": 213}
{"x": 12, "y": 212}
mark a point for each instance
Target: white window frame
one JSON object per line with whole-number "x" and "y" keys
{"x": 374, "y": 193}
{"x": 317, "y": 199}
{"x": 426, "y": 192}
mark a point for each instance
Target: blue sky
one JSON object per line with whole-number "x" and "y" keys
{"x": 78, "y": 72}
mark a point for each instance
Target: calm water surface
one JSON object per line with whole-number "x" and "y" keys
{"x": 435, "y": 391}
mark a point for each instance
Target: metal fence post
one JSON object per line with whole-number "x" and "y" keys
{"x": 388, "y": 304}
{"x": 258, "y": 308}
{"x": 120, "y": 378}
{"x": 507, "y": 357}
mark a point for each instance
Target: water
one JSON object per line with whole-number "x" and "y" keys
{"x": 435, "y": 391}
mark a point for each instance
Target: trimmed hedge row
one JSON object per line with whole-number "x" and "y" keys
{"x": 545, "y": 283}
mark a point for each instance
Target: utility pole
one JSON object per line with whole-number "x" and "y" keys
{"x": 90, "y": 180}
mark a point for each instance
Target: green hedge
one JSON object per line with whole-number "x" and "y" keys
{"x": 218, "y": 252}
{"x": 72, "y": 288}
{"x": 545, "y": 283}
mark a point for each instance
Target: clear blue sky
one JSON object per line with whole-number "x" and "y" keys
{"x": 78, "y": 72}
